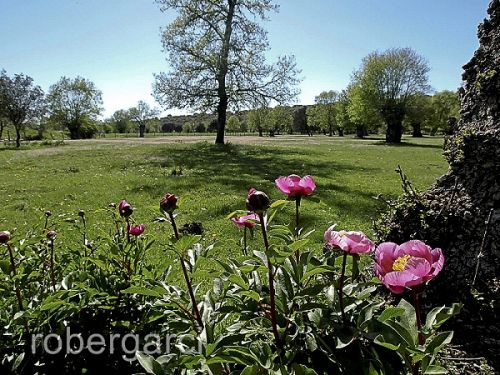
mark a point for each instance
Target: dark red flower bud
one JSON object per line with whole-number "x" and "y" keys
{"x": 125, "y": 209}
{"x": 168, "y": 203}
{"x": 48, "y": 213}
{"x": 4, "y": 236}
{"x": 257, "y": 201}
{"x": 51, "y": 234}
{"x": 81, "y": 213}
{"x": 112, "y": 205}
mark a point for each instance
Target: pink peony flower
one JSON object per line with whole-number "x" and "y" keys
{"x": 125, "y": 209}
{"x": 295, "y": 186}
{"x": 4, "y": 236}
{"x": 350, "y": 242}
{"x": 407, "y": 265}
{"x": 136, "y": 230}
{"x": 245, "y": 221}
{"x": 257, "y": 201}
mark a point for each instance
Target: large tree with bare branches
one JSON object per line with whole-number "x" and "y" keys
{"x": 216, "y": 55}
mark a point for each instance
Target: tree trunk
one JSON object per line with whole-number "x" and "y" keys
{"x": 330, "y": 130}
{"x": 2, "y": 125}
{"x": 393, "y": 114}
{"x": 142, "y": 129}
{"x": 341, "y": 132}
{"x": 394, "y": 132}
{"x": 74, "y": 133}
{"x": 18, "y": 136}
{"x": 221, "y": 76}
{"x": 260, "y": 132}
{"x": 417, "y": 129}
{"x": 360, "y": 131}
{"x": 271, "y": 133}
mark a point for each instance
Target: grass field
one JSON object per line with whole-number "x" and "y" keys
{"x": 89, "y": 175}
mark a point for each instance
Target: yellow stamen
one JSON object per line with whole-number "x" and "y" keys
{"x": 400, "y": 263}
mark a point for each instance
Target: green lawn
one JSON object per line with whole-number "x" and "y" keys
{"x": 90, "y": 174}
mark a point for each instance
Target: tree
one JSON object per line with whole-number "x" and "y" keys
{"x": 121, "y": 121}
{"x": 323, "y": 113}
{"x": 233, "y": 124}
{"x": 342, "y": 115}
{"x": 444, "y": 104}
{"x": 20, "y": 101}
{"x": 216, "y": 52}
{"x": 75, "y": 103}
{"x": 188, "y": 127}
{"x": 388, "y": 82}
{"x": 362, "y": 116}
{"x": 419, "y": 112}
{"x": 142, "y": 114}
{"x": 257, "y": 119}
{"x": 280, "y": 119}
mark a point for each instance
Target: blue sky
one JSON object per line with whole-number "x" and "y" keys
{"x": 116, "y": 43}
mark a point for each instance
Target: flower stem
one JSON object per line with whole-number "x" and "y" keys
{"x": 272, "y": 292}
{"x": 51, "y": 260}
{"x": 16, "y": 287}
{"x": 187, "y": 278}
{"x": 127, "y": 229}
{"x": 341, "y": 288}
{"x": 14, "y": 273}
{"x": 421, "y": 339}
{"x": 245, "y": 241}
{"x": 297, "y": 221}
{"x": 84, "y": 235}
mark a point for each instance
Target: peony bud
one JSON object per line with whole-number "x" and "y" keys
{"x": 51, "y": 235}
{"x": 48, "y": 213}
{"x": 81, "y": 213}
{"x": 257, "y": 201}
{"x": 4, "y": 236}
{"x": 168, "y": 203}
{"x": 125, "y": 209}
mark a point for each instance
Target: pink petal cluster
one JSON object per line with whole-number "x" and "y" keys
{"x": 407, "y": 265}
{"x": 245, "y": 221}
{"x": 136, "y": 230}
{"x": 296, "y": 186}
{"x": 350, "y": 242}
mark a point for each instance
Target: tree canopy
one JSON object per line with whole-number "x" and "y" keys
{"x": 74, "y": 103}
{"x": 323, "y": 113}
{"x": 142, "y": 114}
{"x": 216, "y": 53}
{"x": 387, "y": 82}
{"x": 21, "y": 101}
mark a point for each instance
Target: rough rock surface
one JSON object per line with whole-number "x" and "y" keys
{"x": 453, "y": 213}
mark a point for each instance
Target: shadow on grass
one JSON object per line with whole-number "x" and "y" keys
{"x": 409, "y": 144}
{"x": 235, "y": 168}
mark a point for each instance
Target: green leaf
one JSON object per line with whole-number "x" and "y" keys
{"x": 297, "y": 245}
{"x": 439, "y": 315}
{"x": 303, "y": 370}
{"x": 251, "y": 294}
{"x": 185, "y": 243}
{"x": 238, "y": 280}
{"x": 52, "y": 305}
{"x": 149, "y": 364}
{"x": 142, "y": 291}
{"x": 434, "y": 370}
{"x": 437, "y": 342}
{"x": 279, "y": 203}
{"x": 391, "y": 313}
{"x": 251, "y": 370}
{"x": 381, "y": 341}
